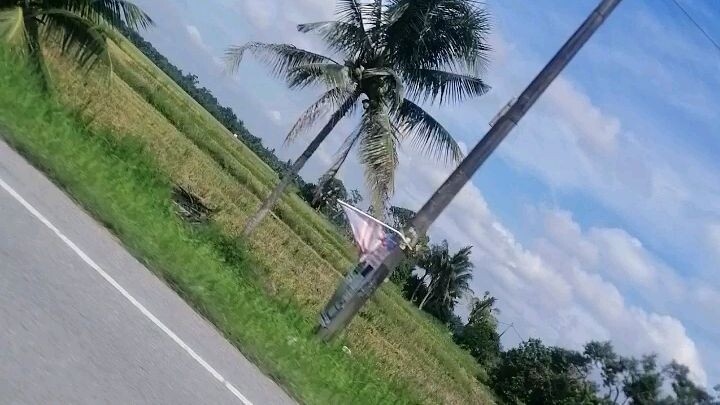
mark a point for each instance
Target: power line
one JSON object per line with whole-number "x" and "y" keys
{"x": 517, "y": 333}
{"x": 511, "y": 326}
{"x": 696, "y": 24}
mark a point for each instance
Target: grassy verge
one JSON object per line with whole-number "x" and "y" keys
{"x": 119, "y": 182}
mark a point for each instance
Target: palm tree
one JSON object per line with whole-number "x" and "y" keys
{"x": 482, "y": 309}
{"x": 432, "y": 258}
{"x": 451, "y": 276}
{"x": 81, "y": 27}
{"x": 395, "y": 55}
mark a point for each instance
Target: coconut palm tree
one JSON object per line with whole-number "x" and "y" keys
{"x": 451, "y": 276}
{"x": 434, "y": 257}
{"x": 388, "y": 56}
{"x": 80, "y": 26}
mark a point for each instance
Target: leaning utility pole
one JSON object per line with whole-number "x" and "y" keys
{"x": 462, "y": 174}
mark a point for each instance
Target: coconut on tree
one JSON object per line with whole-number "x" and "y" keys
{"x": 80, "y": 27}
{"x": 388, "y": 56}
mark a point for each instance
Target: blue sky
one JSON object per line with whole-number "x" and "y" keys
{"x": 598, "y": 218}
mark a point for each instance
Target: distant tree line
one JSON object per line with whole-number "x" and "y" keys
{"x": 533, "y": 373}
{"x": 436, "y": 280}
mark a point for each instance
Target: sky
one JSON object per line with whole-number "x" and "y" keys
{"x": 598, "y": 218}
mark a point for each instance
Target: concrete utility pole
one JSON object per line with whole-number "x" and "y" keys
{"x": 467, "y": 168}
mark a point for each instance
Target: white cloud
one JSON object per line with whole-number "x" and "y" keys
{"x": 195, "y": 36}
{"x": 275, "y": 116}
{"x": 624, "y": 255}
{"x": 562, "y": 289}
{"x": 566, "y": 234}
{"x": 571, "y": 144}
{"x": 261, "y": 13}
{"x": 712, "y": 238}
{"x": 601, "y": 254}
{"x": 595, "y": 132}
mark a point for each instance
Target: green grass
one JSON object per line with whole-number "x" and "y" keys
{"x": 118, "y": 182}
{"x": 298, "y": 255}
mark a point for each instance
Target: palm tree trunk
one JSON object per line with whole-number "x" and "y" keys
{"x": 425, "y": 299}
{"x": 294, "y": 169}
{"x": 431, "y": 287}
{"x": 417, "y": 287}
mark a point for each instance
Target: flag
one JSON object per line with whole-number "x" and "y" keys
{"x": 374, "y": 238}
{"x": 367, "y": 233}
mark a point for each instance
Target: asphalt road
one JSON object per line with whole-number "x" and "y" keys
{"x": 83, "y": 322}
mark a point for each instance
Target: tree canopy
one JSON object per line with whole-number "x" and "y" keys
{"x": 79, "y": 27}
{"x": 479, "y": 335}
{"x": 388, "y": 56}
{"x": 324, "y": 197}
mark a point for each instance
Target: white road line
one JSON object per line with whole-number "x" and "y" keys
{"x": 125, "y": 294}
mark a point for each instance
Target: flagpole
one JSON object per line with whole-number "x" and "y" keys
{"x": 462, "y": 174}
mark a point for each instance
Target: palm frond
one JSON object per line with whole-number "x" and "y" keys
{"x": 378, "y": 20}
{"x": 377, "y": 14}
{"x": 331, "y": 100}
{"x": 357, "y": 13}
{"x": 427, "y": 134}
{"x": 339, "y": 36}
{"x": 432, "y": 84}
{"x": 352, "y": 12}
{"x": 281, "y": 58}
{"x": 463, "y": 255}
{"x": 395, "y": 10}
{"x": 80, "y": 38}
{"x": 463, "y": 278}
{"x": 460, "y": 286}
{"x": 330, "y": 74}
{"x": 12, "y": 28}
{"x": 113, "y": 12}
{"x": 452, "y": 274}
{"x": 378, "y": 153}
{"x": 436, "y": 33}
{"x": 132, "y": 15}
{"x": 32, "y": 27}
